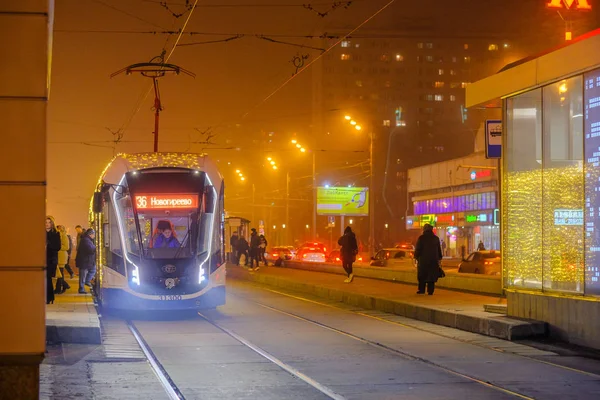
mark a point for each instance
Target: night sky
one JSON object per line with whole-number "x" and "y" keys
{"x": 94, "y": 38}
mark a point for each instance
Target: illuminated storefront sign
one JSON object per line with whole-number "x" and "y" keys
{"x": 485, "y": 173}
{"x": 568, "y": 4}
{"x": 568, "y": 217}
{"x": 352, "y": 201}
{"x": 446, "y": 219}
{"x": 166, "y": 201}
{"x": 477, "y": 218}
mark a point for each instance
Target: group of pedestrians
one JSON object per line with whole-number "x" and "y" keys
{"x": 253, "y": 252}
{"x": 59, "y": 248}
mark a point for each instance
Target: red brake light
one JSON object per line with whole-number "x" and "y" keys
{"x": 275, "y": 255}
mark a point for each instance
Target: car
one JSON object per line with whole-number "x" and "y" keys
{"x": 312, "y": 252}
{"x": 393, "y": 258}
{"x": 405, "y": 246}
{"x": 275, "y": 253}
{"x": 334, "y": 257}
{"x": 487, "y": 262}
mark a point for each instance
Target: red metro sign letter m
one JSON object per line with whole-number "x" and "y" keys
{"x": 568, "y": 4}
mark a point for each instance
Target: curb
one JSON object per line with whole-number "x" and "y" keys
{"x": 495, "y": 325}
{"x": 73, "y": 334}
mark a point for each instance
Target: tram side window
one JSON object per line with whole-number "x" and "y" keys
{"x": 115, "y": 237}
{"x": 207, "y": 219}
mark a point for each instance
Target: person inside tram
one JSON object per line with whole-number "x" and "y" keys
{"x": 164, "y": 236}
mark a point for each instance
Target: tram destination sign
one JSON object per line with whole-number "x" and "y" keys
{"x": 166, "y": 201}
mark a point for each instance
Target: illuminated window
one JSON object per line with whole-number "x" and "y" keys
{"x": 420, "y": 45}
{"x": 357, "y": 45}
{"x": 388, "y": 84}
{"x": 399, "y": 57}
{"x": 440, "y": 71}
{"x": 454, "y": 85}
{"x": 439, "y": 97}
{"x": 466, "y": 46}
{"x": 428, "y": 97}
{"x": 429, "y": 45}
{"x": 345, "y": 43}
{"x": 438, "y": 84}
{"x": 386, "y": 122}
{"x": 401, "y": 123}
{"x": 493, "y": 47}
{"x": 464, "y": 84}
{"x": 384, "y": 57}
{"x": 345, "y": 57}
{"x": 359, "y": 83}
{"x": 454, "y": 59}
{"x": 467, "y": 59}
{"x": 568, "y": 35}
{"x": 429, "y": 58}
{"x": 452, "y": 97}
{"x": 452, "y": 72}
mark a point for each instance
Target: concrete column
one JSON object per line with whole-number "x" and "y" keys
{"x": 25, "y": 42}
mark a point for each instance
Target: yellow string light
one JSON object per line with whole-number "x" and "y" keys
{"x": 535, "y": 249}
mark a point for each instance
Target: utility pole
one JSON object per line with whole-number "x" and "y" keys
{"x": 253, "y": 203}
{"x": 371, "y": 199}
{"x": 156, "y": 68}
{"x": 287, "y": 207}
{"x": 314, "y": 187}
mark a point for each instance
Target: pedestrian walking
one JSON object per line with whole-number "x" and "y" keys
{"x": 428, "y": 255}
{"x": 63, "y": 257}
{"x": 86, "y": 259}
{"x": 444, "y": 247}
{"x": 254, "y": 250}
{"x": 52, "y": 249}
{"x": 233, "y": 242}
{"x": 262, "y": 248}
{"x": 348, "y": 252}
{"x": 242, "y": 249}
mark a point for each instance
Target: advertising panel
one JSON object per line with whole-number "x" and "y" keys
{"x": 591, "y": 99}
{"x": 352, "y": 201}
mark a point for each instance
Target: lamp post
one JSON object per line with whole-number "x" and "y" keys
{"x": 371, "y": 196}
{"x": 302, "y": 149}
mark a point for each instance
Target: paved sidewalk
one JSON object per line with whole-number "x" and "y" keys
{"x": 464, "y": 311}
{"x": 72, "y": 318}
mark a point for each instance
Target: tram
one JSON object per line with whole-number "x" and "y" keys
{"x": 159, "y": 221}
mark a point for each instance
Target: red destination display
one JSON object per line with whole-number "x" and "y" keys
{"x": 166, "y": 201}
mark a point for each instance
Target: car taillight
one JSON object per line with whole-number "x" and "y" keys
{"x": 359, "y": 258}
{"x": 275, "y": 255}
{"x": 337, "y": 259}
{"x": 303, "y": 255}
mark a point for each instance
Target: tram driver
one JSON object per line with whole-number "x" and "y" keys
{"x": 164, "y": 236}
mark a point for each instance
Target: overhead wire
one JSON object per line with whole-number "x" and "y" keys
{"x": 285, "y": 83}
{"x": 127, "y": 13}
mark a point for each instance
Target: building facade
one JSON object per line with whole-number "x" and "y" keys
{"x": 460, "y": 198}
{"x": 550, "y": 193}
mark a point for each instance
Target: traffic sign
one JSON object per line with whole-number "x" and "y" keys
{"x": 493, "y": 138}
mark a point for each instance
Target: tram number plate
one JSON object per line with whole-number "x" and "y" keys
{"x": 169, "y": 297}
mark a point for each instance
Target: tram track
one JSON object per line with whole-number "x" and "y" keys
{"x": 161, "y": 373}
{"x": 433, "y": 332}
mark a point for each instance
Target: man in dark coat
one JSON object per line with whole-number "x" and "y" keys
{"x": 52, "y": 248}
{"x": 428, "y": 254}
{"x": 86, "y": 259}
{"x": 242, "y": 248}
{"x": 233, "y": 242}
{"x": 348, "y": 252}
{"x": 254, "y": 249}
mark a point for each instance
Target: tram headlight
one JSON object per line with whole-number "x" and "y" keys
{"x": 201, "y": 274}
{"x": 135, "y": 275}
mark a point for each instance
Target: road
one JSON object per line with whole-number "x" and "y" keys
{"x": 269, "y": 345}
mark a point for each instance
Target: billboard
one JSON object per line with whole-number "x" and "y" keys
{"x": 352, "y": 201}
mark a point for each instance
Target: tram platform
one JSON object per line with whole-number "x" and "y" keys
{"x": 464, "y": 311}
{"x": 472, "y": 283}
{"x": 73, "y": 318}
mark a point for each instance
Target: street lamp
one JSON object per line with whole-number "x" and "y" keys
{"x": 283, "y": 226}
{"x": 351, "y": 221}
{"x": 302, "y": 149}
{"x": 371, "y": 186}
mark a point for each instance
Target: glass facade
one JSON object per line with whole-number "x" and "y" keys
{"x": 468, "y": 202}
{"x": 544, "y": 223}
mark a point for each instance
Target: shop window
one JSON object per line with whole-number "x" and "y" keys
{"x": 562, "y": 164}
{"x": 522, "y": 219}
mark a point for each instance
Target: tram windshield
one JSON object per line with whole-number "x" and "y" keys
{"x": 167, "y": 237}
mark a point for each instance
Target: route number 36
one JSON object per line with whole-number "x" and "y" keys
{"x": 142, "y": 201}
